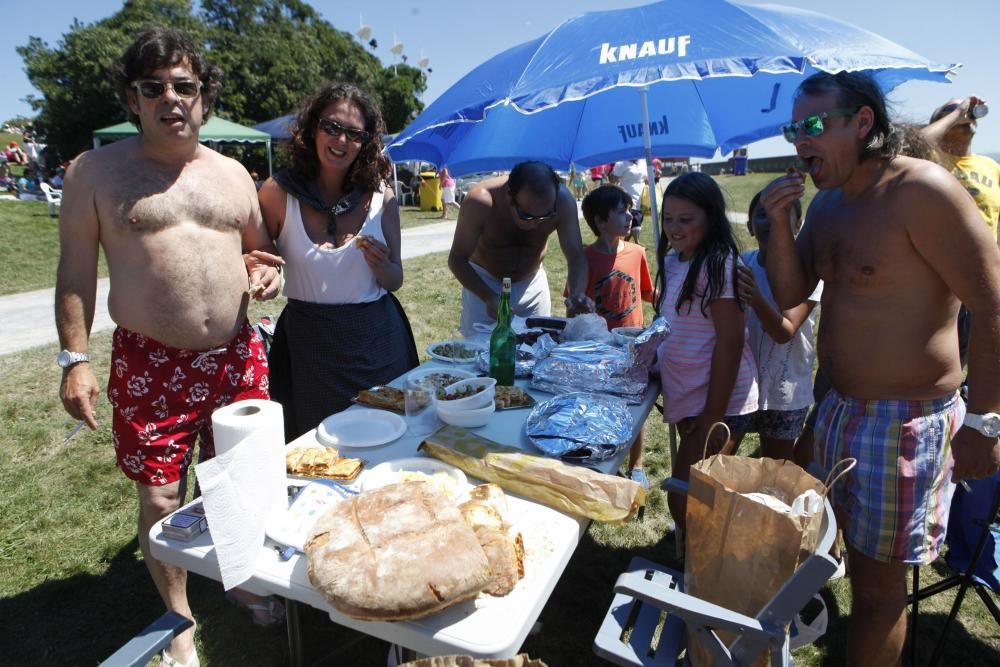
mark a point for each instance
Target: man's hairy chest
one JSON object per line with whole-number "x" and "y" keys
{"x": 865, "y": 251}
{"x": 145, "y": 201}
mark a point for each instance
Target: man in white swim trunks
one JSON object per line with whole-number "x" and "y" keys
{"x": 503, "y": 230}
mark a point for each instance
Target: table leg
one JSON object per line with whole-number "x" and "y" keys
{"x": 294, "y": 632}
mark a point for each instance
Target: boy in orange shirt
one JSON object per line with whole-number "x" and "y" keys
{"x": 618, "y": 276}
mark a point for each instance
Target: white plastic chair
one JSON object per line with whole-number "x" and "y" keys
{"x": 647, "y": 589}
{"x": 53, "y": 197}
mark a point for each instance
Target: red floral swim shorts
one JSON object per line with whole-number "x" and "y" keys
{"x": 163, "y": 399}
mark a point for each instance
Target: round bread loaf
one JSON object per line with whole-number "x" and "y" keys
{"x": 394, "y": 553}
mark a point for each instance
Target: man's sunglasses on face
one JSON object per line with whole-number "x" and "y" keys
{"x": 813, "y": 126}
{"x": 152, "y": 89}
{"x": 335, "y": 129}
{"x": 525, "y": 217}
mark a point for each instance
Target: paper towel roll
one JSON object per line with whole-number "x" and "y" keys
{"x": 233, "y": 423}
{"x": 244, "y": 486}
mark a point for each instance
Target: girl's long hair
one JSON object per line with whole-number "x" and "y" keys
{"x": 715, "y": 249}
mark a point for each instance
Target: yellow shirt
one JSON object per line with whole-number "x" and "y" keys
{"x": 980, "y": 175}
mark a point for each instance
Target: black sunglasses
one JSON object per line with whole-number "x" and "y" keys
{"x": 152, "y": 89}
{"x": 335, "y": 129}
{"x": 535, "y": 218}
{"x": 813, "y": 125}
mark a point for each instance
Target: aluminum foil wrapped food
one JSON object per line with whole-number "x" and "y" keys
{"x": 643, "y": 349}
{"x": 594, "y": 366}
{"x": 581, "y": 427}
{"x": 589, "y": 366}
{"x": 573, "y": 489}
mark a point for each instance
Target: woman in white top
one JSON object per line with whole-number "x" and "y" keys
{"x": 336, "y": 225}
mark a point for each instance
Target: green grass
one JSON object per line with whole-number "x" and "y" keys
{"x": 75, "y": 588}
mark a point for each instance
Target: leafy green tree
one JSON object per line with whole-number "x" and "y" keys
{"x": 274, "y": 53}
{"x": 78, "y": 95}
{"x": 398, "y": 92}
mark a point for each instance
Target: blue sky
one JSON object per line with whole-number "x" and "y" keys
{"x": 457, "y": 36}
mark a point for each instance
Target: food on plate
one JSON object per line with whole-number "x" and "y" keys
{"x": 485, "y": 512}
{"x": 398, "y": 552}
{"x": 454, "y": 350}
{"x": 440, "y": 380}
{"x": 321, "y": 462}
{"x": 443, "y": 481}
{"x": 511, "y": 397}
{"x": 387, "y": 398}
{"x": 462, "y": 392}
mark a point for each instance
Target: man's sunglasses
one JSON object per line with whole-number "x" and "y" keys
{"x": 153, "y": 90}
{"x": 335, "y": 129}
{"x": 812, "y": 126}
{"x": 534, "y": 218}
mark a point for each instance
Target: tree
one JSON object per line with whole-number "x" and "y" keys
{"x": 398, "y": 89}
{"x": 274, "y": 53}
{"x": 78, "y": 95}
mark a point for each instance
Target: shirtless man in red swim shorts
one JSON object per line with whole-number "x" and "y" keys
{"x": 174, "y": 219}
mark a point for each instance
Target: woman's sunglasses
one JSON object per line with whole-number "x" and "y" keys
{"x": 154, "y": 90}
{"x": 812, "y": 126}
{"x": 335, "y": 129}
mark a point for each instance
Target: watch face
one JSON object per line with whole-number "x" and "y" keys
{"x": 991, "y": 425}
{"x": 63, "y": 359}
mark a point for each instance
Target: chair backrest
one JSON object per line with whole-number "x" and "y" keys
{"x": 51, "y": 194}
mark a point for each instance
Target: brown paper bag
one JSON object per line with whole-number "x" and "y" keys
{"x": 739, "y": 552}
{"x": 568, "y": 488}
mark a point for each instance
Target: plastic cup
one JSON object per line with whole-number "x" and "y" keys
{"x": 421, "y": 413}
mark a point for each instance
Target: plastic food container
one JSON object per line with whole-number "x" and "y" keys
{"x": 625, "y": 335}
{"x": 478, "y": 400}
{"x": 466, "y": 418}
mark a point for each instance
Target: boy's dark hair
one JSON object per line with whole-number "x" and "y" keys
{"x": 718, "y": 246}
{"x": 534, "y": 175}
{"x": 599, "y": 202}
{"x": 371, "y": 168}
{"x": 855, "y": 90}
{"x": 160, "y": 47}
{"x": 797, "y": 205}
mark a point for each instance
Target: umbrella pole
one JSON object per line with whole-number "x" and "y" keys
{"x": 647, "y": 145}
{"x": 395, "y": 180}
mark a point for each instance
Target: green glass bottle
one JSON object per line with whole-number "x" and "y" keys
{"x": 503, "y": 341}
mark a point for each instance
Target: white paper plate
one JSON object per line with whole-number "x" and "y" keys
{"x": 474, "y": 347}
{"x": 292, "y": 527}
{"x": 360, "y": 428}
{"x": 390, "y": 473}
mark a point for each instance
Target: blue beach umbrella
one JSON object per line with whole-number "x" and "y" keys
{"x": 701, "y": 75}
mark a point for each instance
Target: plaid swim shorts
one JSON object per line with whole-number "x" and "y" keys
{"x": 163, "y": 398}
{"x": 894, "y": 503}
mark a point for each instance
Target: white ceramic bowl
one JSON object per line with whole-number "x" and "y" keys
{"x": 477, "y": 400}
{"x": 437, "y": 375}
{"x": 466, "y": 418}
{"x": 626, "y": 335}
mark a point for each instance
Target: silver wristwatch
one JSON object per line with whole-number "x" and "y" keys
{"x": 988, "y": 424}
{"x": 65, "y": 359}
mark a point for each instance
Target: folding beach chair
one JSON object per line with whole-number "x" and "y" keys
{"x": 973, "y": 551}
{"x": 140, "y": 649}
{"x": 646, "y": 590}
